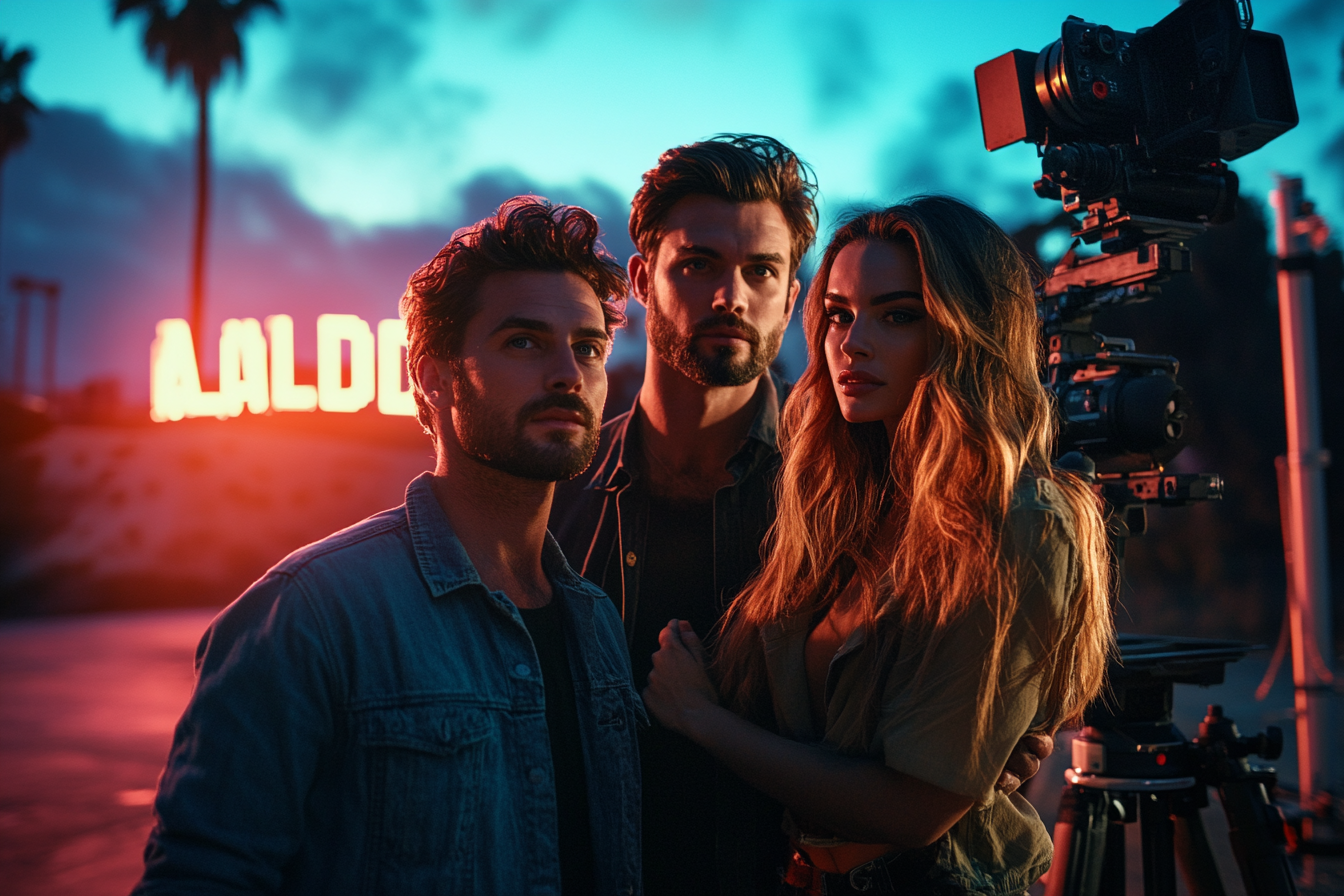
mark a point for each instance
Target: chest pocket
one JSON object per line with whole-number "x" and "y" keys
{"x": 425, "y": 767}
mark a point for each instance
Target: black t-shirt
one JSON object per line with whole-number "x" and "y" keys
{"x": 546, "y": 625}
{"x": 680, "y": 777}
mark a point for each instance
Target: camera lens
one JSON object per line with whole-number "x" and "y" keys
{"x": 1086, "y": 168}
{"x": 1150, "y": 413}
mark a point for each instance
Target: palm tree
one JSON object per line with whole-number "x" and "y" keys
{"x": 199, "y": 40}
{"x": 14, "y": 106}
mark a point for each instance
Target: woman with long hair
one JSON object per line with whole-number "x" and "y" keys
{"x": 933, "y": 589}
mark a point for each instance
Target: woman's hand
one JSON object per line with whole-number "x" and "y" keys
{"x": 679, "y": 691}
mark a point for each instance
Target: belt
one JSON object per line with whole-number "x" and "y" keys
{"x": 840, "y": 859}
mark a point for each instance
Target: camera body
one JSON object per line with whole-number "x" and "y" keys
{"x": 1199, "y": 85}
{"x": 1134, "y": 131}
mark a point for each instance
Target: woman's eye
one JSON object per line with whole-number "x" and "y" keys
{"x": 839, "y": 316}
{"x": 901, "y": 316}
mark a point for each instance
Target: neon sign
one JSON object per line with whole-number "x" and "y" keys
{"x": 245, "y": 354}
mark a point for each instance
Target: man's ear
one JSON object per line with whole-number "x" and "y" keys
{"x": 434, "y": 380}
{"x": 638, "y": 266}
{"x": 794, "y": 288}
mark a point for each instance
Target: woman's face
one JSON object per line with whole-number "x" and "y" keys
{"x": 878, "y": 332}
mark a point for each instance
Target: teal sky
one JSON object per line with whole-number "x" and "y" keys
{"x": 363, "y": 131}
{"x": 377, "y": 113}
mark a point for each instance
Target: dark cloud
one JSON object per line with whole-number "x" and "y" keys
{"x": 843, "y": 69}
{"x": 111, "y": 218}
{"x": 525, "y": 22}
{"x": 342, "y": 51}
{"x": 1311, "y": 16}
{"x": 917, "y": 159}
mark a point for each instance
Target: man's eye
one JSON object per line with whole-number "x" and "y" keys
{"x": 522, "y": 342}
{"x": 589, "y": 350}
{"x": 697, "y": 264}
{"x": 762, "y": 270}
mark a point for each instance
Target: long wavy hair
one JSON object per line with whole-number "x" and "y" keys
{"x": 920, "y": 522}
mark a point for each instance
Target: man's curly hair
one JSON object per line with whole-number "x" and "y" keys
{"x": 526, "y": 233}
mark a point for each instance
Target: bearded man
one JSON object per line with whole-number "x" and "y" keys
{"x": 432, "y": 700}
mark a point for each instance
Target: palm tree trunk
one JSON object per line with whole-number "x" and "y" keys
{"x": 202, "y": 216}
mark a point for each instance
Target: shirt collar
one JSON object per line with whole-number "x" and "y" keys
{"x": 443, "y": 561}
{"x": 616, "y": 467}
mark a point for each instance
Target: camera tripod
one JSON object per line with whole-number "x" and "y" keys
{"x": 1131, "y": 764}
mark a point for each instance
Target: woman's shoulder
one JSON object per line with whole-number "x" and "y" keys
{"x": 1044, "y": 538}
{"x": 1040, "y": 510}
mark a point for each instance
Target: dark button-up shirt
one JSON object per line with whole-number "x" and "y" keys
{"x": 601, "y": 520}
{"x": 369, "y": 718}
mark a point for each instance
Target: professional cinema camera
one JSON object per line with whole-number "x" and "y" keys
{"x": 1134, "y": 132}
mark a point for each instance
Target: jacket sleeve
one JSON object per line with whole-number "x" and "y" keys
{"x": 229, "y": 811}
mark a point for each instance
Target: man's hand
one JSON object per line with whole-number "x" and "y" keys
{"x": 1024, "y": 761}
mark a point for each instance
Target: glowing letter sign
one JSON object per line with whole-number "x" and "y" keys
{"x": 376, "y": 368}
{"x": 285, "y": 396}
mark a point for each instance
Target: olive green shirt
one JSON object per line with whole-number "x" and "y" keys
{"x": 928, "y": 707}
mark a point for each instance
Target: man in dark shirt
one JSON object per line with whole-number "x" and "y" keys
{"x": 670, "y": 519}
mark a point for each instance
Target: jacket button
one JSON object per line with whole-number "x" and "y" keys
{"x": 630, "y": 558}
{"x": 536, "y": 776}
{"x": 522, "y": 670}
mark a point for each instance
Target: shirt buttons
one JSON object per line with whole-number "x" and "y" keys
{"x": 630, "y": 558}
{"x": 536, "y": 776}
{"x": 522, "y": 670}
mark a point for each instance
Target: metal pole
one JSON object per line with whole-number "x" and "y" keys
{"x": 1309, "y": 592}
{"x": 20, "y": 338}
{"x": 52, "y": 293}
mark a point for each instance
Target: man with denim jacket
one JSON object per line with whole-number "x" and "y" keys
{"x": 671, "y": 518}
{"x": 432, "y": 700}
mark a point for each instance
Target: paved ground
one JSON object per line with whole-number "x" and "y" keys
{"x": 87, "y": 707}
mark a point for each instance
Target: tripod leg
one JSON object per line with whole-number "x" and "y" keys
{"x": 1193, "y": 853}
{"x": 1157, "y": 834}
{"x": 1080, "y": 843}
{"x": 1256, "y": 831}
{"x": 1113, "y": 874}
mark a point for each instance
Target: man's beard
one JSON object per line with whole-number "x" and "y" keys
{"x": 723, "y": 367}
{"x": 485, "y": 434}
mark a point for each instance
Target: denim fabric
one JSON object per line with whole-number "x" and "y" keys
{"x": 368, "y": 718}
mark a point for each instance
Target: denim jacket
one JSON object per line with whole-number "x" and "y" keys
{"x": 368, "y": 718}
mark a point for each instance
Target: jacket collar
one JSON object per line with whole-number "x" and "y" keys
{"x": 619, "y": 464}
{"x": 443, "y": 561}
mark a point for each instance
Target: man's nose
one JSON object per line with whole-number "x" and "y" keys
{"x": 731, "y": 295}
{"x": 564, "y": 373}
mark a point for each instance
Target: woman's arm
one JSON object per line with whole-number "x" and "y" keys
{"x": 859, "y": 799}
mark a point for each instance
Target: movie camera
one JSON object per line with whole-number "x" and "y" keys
{"x": 1134, "y": 132}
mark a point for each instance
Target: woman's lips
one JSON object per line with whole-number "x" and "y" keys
{"x": 855, "y": 383}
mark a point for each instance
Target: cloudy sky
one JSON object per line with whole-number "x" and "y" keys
{"x": 361, "y": 133}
